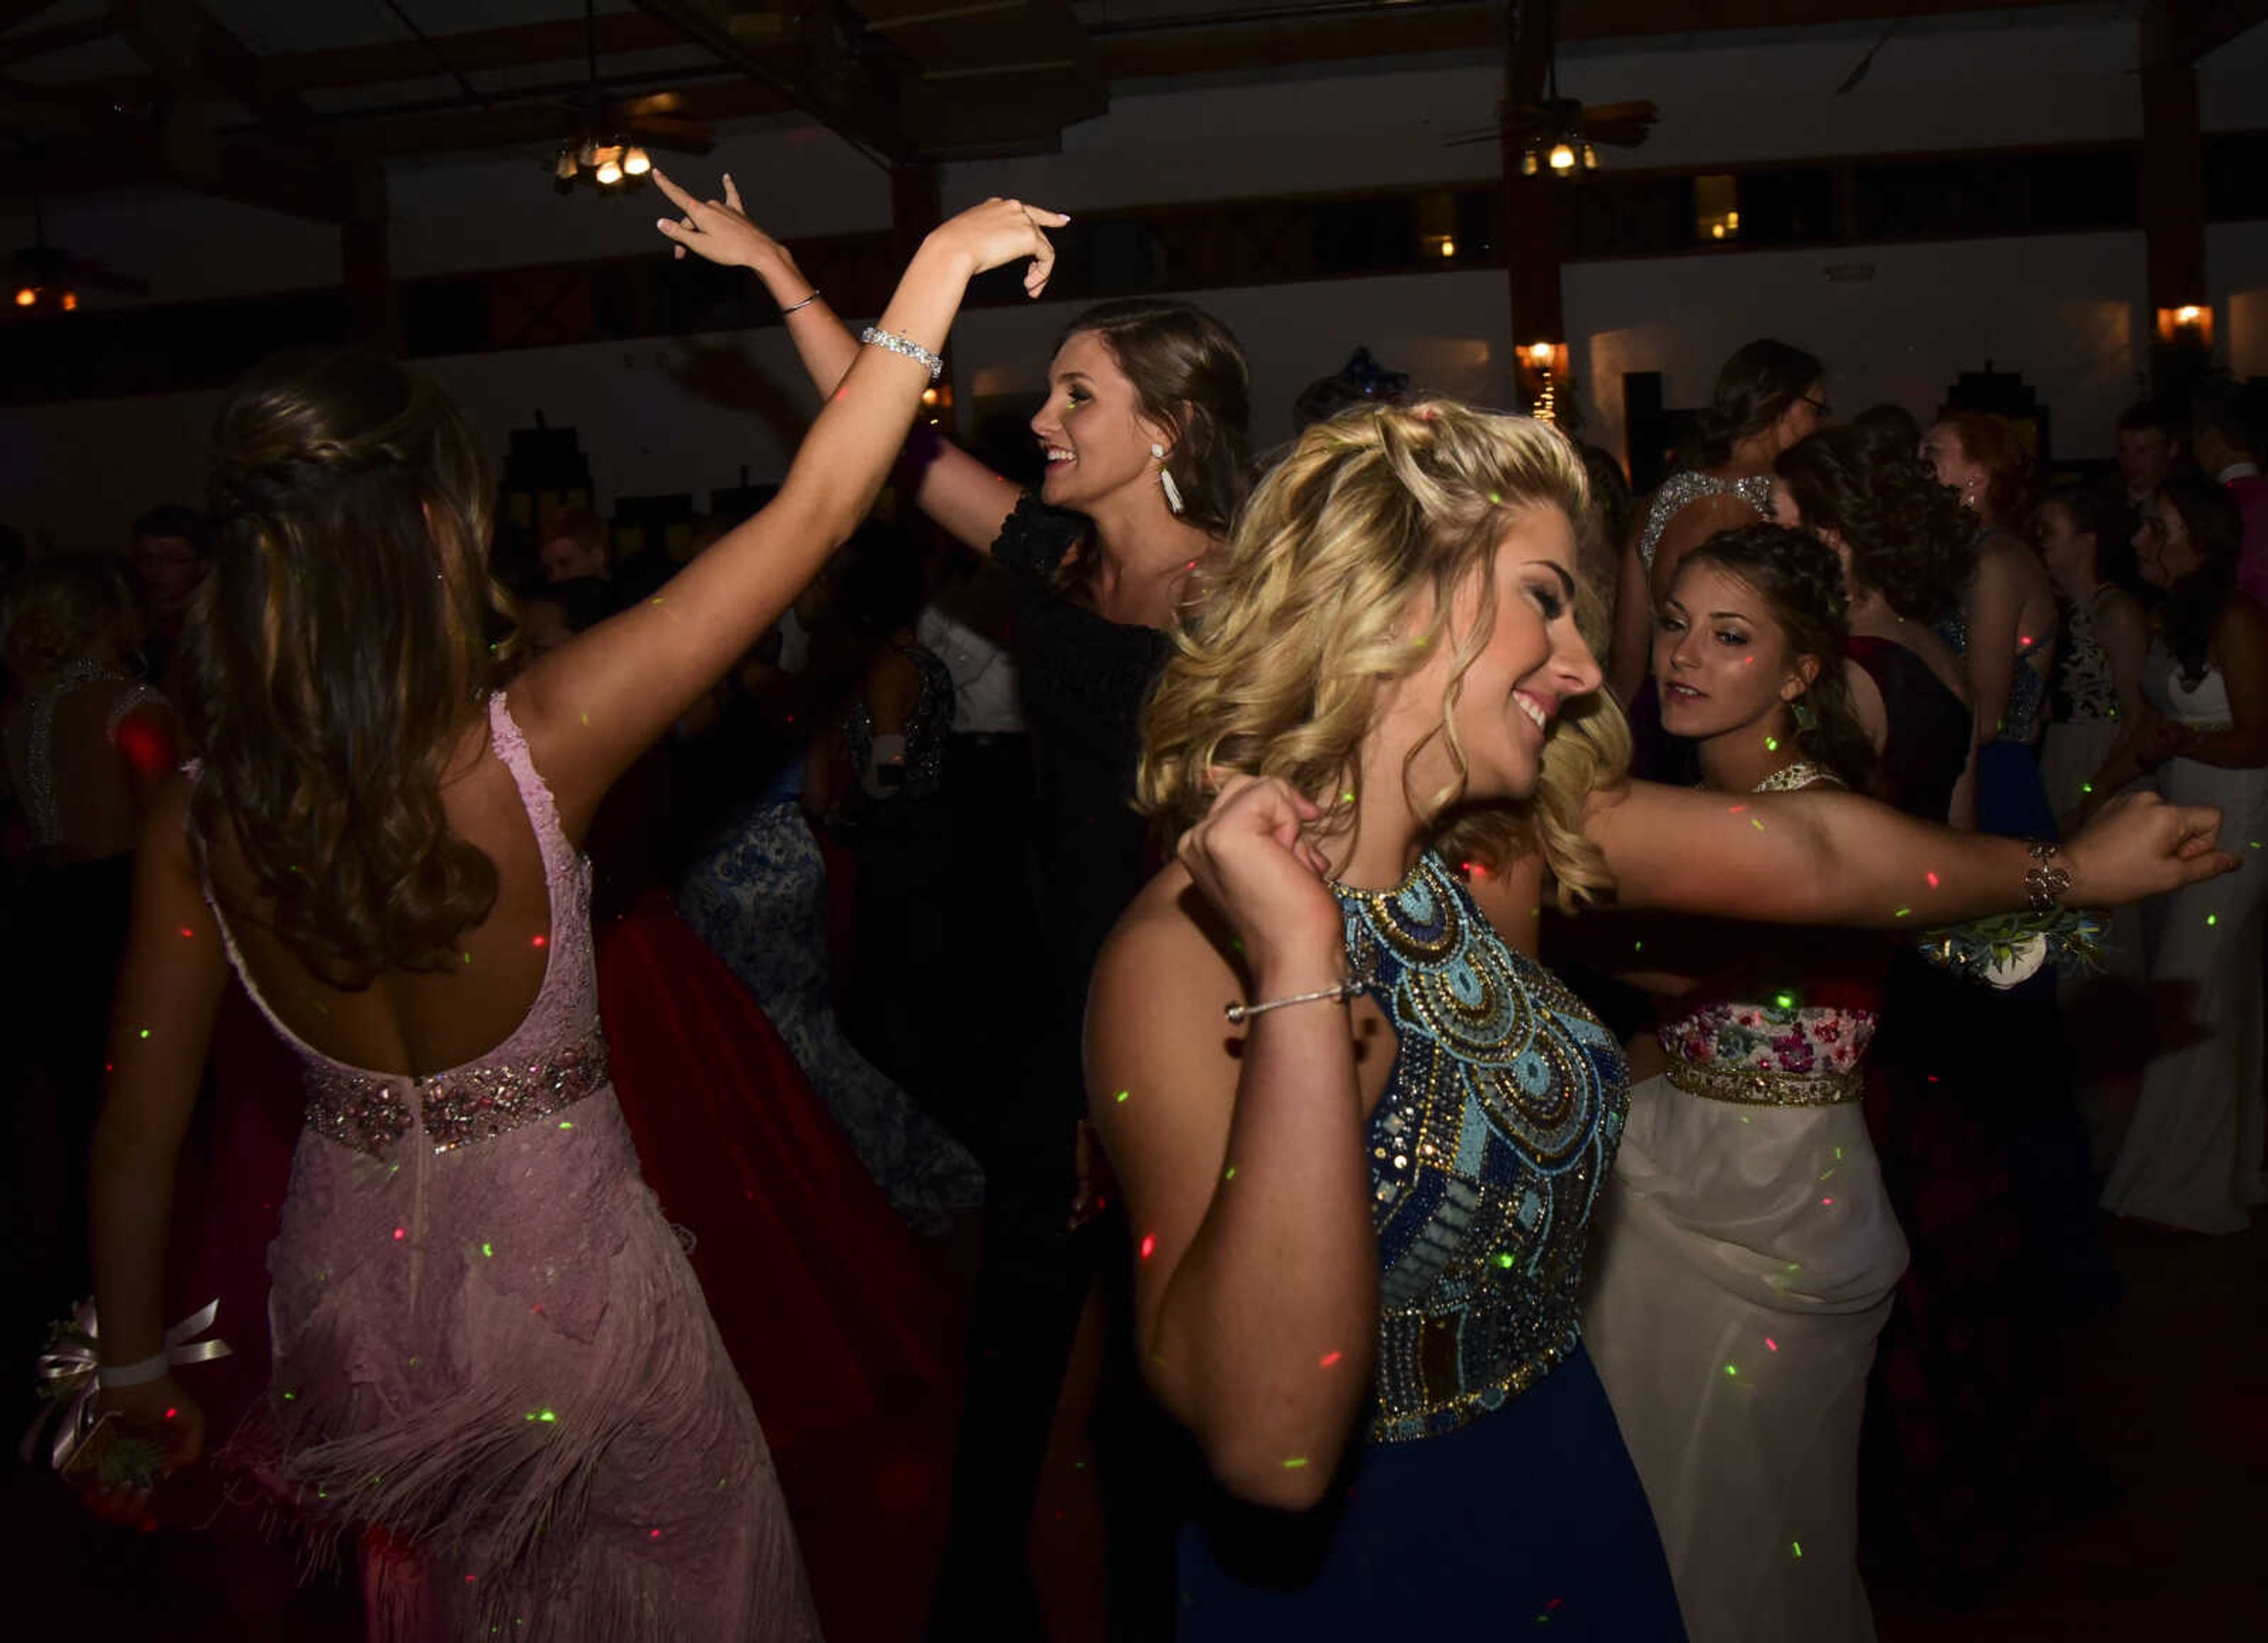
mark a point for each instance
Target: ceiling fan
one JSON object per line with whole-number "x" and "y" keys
{"x": 606, "y": 145}
{"x": 1558, "y": 135}
{"x": 48, "y": 280}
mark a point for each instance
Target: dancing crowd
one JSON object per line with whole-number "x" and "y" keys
{"x": 1376, "y": 1035}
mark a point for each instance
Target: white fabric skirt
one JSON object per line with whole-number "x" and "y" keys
{"x": 1746, "y": 1262}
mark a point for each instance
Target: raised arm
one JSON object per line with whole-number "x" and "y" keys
{"x": 1836, "y": 858}
{"x": 1255, "y": 1268}
{"x": 595, "y": 704}
{"x": 169, "y": 990}
{"x": 1632, "y": 653}
{"x": 962, "y": 494}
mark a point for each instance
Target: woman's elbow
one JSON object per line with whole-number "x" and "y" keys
{"x": 1264, "y": 1474}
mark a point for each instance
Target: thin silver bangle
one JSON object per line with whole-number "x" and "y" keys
{"x": 1239, "y": 1013}
{"x": 798, "y": 307}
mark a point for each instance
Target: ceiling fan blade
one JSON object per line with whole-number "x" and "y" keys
{"x": 656, "y": 103}
{"x": 684, "y": 137}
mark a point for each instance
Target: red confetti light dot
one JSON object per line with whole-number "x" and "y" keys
{"x": 540, "y": 941}
{"x": 1735, "y": 810}
{"x": 187, "y": 934}
{"x": 1328, "y": 1359}
{"x": 1829, "y": 1203}
{"x": 1149, "y": 1244}
{"x": 653, "y": 1534}
{"x": 1932, "y": 880}
{"x": 171, "y": 1412}
{"x": 1771, "y": 1344}
{"x": 400, "y": 1233}
{"x": 470, "y": 1579}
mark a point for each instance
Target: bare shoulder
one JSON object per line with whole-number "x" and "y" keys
{"x": 1167, "y": 943}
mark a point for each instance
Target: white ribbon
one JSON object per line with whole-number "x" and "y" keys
{"x": 67, "y": 1374}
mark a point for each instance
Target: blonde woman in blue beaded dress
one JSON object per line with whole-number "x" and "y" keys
{"x": 1358, "y": 1203}
{"x": 494, "y": 1373}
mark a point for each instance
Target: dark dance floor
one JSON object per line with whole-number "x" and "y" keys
{"x": 2172, "y": 1397}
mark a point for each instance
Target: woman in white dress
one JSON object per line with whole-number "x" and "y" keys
{"x": 2192, "y": 1157}
{"x": 1747, "y": 1249}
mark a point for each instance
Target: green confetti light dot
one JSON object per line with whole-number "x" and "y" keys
{"x": 1121, "y": 1096}
{"x": 565, "y": 1123}
{"x": 2087, "y": 787}
{"x": 1795, "y": 1547}
{"x": 145, "y": 1032}
{"x": 2211, "y": 919}
{"x": 1771, "y": 744}
{"x": 1295, "y": 1462}
{"x": 489, "y": 1251}
{"x": 1230, "y": 1174}
{"x": 1902, "y": 912}
{"x": 1503, "y": 1258}
{"x": 1732, "y": 1370}
{"x": 1785, "y": 1000}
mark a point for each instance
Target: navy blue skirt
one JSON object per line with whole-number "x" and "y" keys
{"x": 1529, "y": 1519}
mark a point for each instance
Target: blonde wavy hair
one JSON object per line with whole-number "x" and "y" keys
{"x": 1376, "y": 515}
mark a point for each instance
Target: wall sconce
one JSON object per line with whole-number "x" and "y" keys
{"x": 1543, "y": 367}
{"x": 1717, "y": 208}
{"x": 2188, "y": 324}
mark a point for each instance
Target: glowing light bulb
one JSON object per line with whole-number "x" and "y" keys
{"x": 1527, "y": 165}
{"x": 563, "y": 167}
{"x": 2188, "y": 314}
{"x": 26, "y": 295}
{"x": 1448, "y": 246}
{"x": 609, "y": 174}
{"x": 1562, "y": 157}
{"x": 1539, "y": 354}
{"x": 636, "y": 162}
{"x": 70, "y": 302}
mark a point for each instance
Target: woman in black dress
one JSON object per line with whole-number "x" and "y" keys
{"x": 1142, "y": 431}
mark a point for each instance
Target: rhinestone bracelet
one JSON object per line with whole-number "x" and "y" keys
{"x": 874, "y": 336}
{"x": 2045, "y": 883}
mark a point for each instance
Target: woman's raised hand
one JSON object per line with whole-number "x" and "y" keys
{"x": 1251, "y": 857}
{"x": 988, "y": 235}
{"x": 719, "y": 230}
{"x": 2139, "y": 846}
{"x": 999, "y": 232}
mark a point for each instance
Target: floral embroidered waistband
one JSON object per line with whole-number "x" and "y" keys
{"x": 1764, "y": 1087}
{"x": 461, "y": 1109}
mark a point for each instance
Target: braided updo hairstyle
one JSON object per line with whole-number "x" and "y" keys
{"x": 338, "y": 654}
{"x": 1911, "y": 540}
{"x": 1800, "y": 580}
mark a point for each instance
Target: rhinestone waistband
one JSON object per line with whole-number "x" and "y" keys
{"x": 461, "y": 1109}
{"x": 1766, "y": 1087}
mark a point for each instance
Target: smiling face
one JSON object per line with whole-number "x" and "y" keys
{"x": 1092, "y": 430}
{"x": 1955, "y": 468}
{"x": 1533, "y": 661}
{"x": 1721, "y": 662}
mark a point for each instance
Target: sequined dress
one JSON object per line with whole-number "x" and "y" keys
{"x": 492, "y": 1364}
{"x": 1494, "y": 1490}
{"x": 1687, "y": 487}
{"x": 1747, "y": 1256}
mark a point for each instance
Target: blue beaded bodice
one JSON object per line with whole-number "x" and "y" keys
{"x": 1488, "y": 1150}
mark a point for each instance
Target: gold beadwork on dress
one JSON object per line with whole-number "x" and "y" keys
{"x": 1764, "y": 1087}
{"x": 1488, "y": 1151}
{"x": 476, "y": 1104}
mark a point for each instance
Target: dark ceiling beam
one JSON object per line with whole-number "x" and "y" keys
{"x": 27, "y": 44}
{"x": 469, "y": 53}
{"x": 201, "y": 60}
{"x": 2201, "y": 27}
{"x": 15, "y": 12}
{"x": 511, "y": 124}
{"x": 813, "y": 75}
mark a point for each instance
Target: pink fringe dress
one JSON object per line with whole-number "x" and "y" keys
{"x": 493, "y": 1364}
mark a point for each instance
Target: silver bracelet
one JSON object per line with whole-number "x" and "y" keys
{"x": 798, "y": 307}
{"x": 141, "y": 1371}
{"x": 1340, "y": 993}
{"x": 874, "y": 336}
{"x": 2045, "y": 883}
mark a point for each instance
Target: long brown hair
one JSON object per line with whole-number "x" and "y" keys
{"x": 1911, "y": 540}
{"x": 1801, "y": 580}
{"x": 335, "y": 655}
{"x": 1189, "y": 374}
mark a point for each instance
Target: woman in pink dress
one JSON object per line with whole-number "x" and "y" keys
{"x": 492, "y": 1364}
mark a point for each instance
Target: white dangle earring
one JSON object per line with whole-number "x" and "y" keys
{"x": 1165, "y": 478}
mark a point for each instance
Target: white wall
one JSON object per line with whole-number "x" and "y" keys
{"x": 2063, "y": 310}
